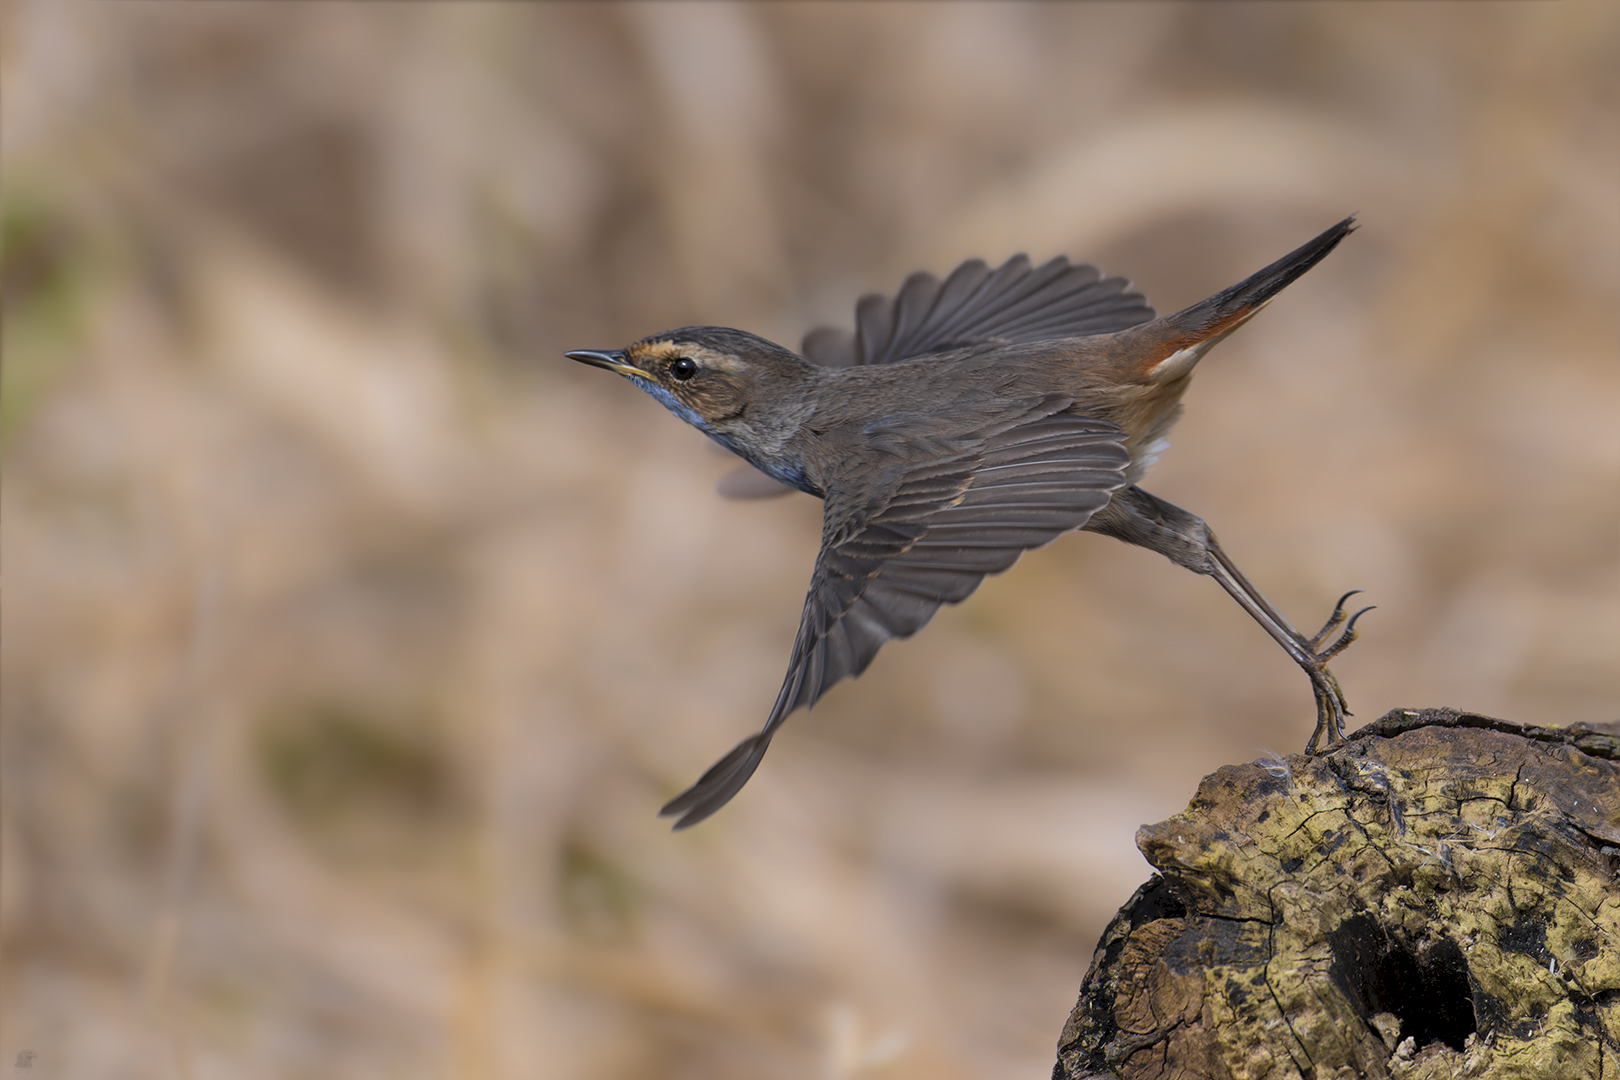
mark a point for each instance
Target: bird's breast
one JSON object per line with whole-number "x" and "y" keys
{"x": 773, "y": 440}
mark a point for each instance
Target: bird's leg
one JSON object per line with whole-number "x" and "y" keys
{"x": 1308, "y": 653}
{"x": 1138, "y": 517}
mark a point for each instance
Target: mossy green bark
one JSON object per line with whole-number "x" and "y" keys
{"x": 1435, "y": 897}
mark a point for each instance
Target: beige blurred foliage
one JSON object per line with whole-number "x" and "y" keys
{"x": 351, "y": 636}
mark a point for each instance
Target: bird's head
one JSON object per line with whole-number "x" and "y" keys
{"x": 709, "y": 376}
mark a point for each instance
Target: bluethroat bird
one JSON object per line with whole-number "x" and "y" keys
{"x": 961, "y": 424}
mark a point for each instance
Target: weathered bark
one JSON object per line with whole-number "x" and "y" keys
{"x": 1436, "y": 897}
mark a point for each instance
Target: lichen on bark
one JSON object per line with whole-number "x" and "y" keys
{"x": 1435, "y": 897}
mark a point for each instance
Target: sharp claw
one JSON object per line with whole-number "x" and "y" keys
{"x": 1350, "y": 628}
{"x": 1333, "y": 621}
{"x": 1331, "y": 706}
{"x": 1326, "y": 715}
{"x": 1345, "y": 638}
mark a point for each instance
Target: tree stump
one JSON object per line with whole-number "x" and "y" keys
{"x": 1435, "y": 897}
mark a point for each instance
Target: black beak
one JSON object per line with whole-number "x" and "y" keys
{"x": 610, "y": 361}
{"x": 596, "y": 358}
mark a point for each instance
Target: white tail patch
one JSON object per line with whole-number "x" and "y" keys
{"x": 1150, "y": 453}
{"x": 1178, "y": 363}
{"x": 1182, "y": 361}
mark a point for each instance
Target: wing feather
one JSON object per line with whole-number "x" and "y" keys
{"x": 941, "y": 525}
{"x": 1015, "y": 302}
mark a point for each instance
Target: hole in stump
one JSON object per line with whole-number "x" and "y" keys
{"x": 1431, "y": 997}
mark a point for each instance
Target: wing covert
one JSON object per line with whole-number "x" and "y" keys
{"x": 948, "y": 525}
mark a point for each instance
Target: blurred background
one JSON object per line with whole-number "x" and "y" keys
{"x": 352, "y": 637}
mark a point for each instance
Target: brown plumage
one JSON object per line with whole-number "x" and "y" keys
{"x": 961, "y": 424}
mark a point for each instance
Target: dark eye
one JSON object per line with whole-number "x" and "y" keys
{"x": 683, "y": 369}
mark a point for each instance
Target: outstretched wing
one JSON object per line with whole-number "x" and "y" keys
{"x": 1012, "y": 303}
{"x": 938, "y": 523}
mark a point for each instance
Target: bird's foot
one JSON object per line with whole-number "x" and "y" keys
{"x": 1310, "y": 653}
{"x": 1335, "y": 620}
{"x": 1331, "y": 708}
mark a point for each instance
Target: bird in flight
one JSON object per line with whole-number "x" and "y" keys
{"x": 962, "y": 423}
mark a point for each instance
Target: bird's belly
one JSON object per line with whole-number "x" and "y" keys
{"x": 1146, "y": 413}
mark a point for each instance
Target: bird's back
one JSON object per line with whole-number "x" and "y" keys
{"x": 985, "y": 380}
